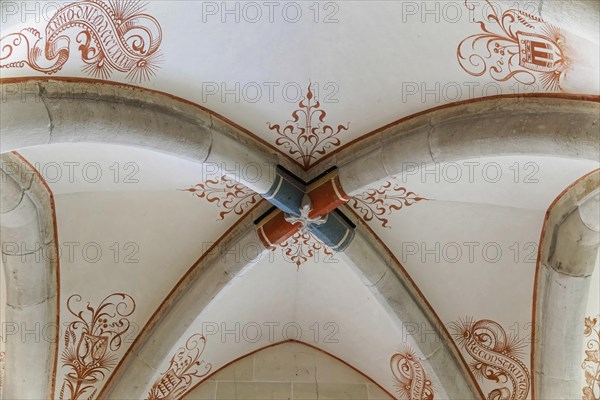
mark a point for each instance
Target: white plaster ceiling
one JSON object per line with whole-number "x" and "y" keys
{"x": 364, "y": 66}
{"x": 322, "y": 304}
{"x": 370, "y": 63}
{"x": 161, "y": 231}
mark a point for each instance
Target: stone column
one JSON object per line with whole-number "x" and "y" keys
{"x": 30, "y": 262}
{"x": 569, "y": 249}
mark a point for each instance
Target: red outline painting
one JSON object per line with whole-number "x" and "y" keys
{"x": 111, "y": 36}
{"x": 183, "y": 372}
{"x": 410, "y": 377}
{"x": 591, "y": 363}
{"x": 514, "y": 45}
{"x": 91, "y": 342}
{"x": 377, "y": 204}
{"x": 496, "y": 357}
{"x": 306, "y": 137}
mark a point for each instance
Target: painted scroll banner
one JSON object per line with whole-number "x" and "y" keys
{"x": 110, "y": 36}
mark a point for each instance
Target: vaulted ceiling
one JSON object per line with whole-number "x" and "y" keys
{"x": 407, "y": 188}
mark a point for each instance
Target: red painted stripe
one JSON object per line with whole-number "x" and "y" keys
{"x": 327, "y": 197}
{"x": 276, "y": 230}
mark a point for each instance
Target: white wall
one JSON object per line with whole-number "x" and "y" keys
{"x": 287, "y": 371}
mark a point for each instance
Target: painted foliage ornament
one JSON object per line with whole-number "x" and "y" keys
{"x": 185, "y": 369}
{"x": 591, "y": 363}
{"x": 379, "y": 203}
{"x": 513, "y": 45}
{"x": 228, "y": 195}
{"x": 91, "y": 343}
{"x": 302, "y": 247}
{"x": 111, "y": 36}
{"x": 306, "y": 137}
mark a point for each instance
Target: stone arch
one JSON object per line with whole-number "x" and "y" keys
{"x": 134, "y": 117}
{"x": 31, "y": 268}
{"x": 567, "y": 256}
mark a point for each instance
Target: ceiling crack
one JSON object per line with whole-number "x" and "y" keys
{"x": 211, "y": 127}
{"x": 432, "y": 354}
{"x": 139, "y": 357}
{"x": 316, "y": 382}
{"x": 22, "y": 196}
{"x": 42, "y": 91}
{"x": 429, "y": 134}
{"x": 37, "y": 303}
{"x": 374, "y": 284}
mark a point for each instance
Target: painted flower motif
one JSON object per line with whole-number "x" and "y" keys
{"x": 588, "y": 394}
{"x": 591, "y": 363}
{"x": 592, "y": 355}
{"x": 185, "y": 368}
{"x": 228, "y": 195}
{"x": 306, "y": 137}
{"x": 379, "y": 203}
{"x": 590, "y": 323}
{"x": 91, "y": 343}
{"x": 301, "y": 247}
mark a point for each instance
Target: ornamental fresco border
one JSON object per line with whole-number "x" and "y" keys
{"x": 591, "y": 363}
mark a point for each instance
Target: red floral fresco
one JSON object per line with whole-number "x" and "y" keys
{"x": 591, "y": 363}
{"x": 306, "y": 137}
{"x": 228, "y": 195}
{"x": 378, "y": 204}
{"x": 514, "y": 45}
{"x": 497, "y": 357}
{"x": 374, "y": 204}
{"x": 236, "y": 198}
{"x": 91, "y": 342}
{"x": 410, "y": 378}
{"x": 185, "y": 369}
{"x": 111, "y": 36}
{"x": 301, "y": 247}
